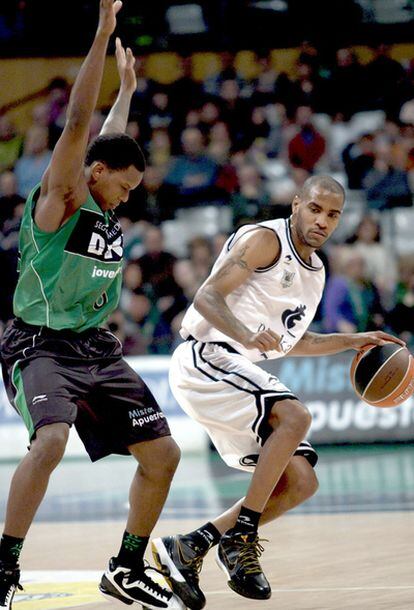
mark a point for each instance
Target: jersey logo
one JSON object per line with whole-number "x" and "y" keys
{"x": 290, "y": 317}
{"x": 249, "y": 460}
{"x": 287, "y": 279}
{"x": 92, "y": 238}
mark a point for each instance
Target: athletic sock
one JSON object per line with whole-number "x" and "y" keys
{"x": 10, "y": 548}
{"x": 205, "y": 537}
{"x": 131, "y": 553}
{"x": 247, "y": 522}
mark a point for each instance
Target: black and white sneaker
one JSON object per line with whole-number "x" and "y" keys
{"x": 238, "y": 556}
{"x": 180, "y": 561}
{"x": 137, "y": 586}
{"x": 9, "y": 582}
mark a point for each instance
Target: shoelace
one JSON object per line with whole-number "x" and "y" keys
{"x": 249, "y": 555}
{"x": 151, "y": 584}
{"x": 195, "y": 564}
{"x": 9, "y": 592}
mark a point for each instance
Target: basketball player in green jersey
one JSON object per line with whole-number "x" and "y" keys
{"x": 60, "y": 365}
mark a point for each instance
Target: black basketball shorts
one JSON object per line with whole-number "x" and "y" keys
{"x": 79, "y": 378}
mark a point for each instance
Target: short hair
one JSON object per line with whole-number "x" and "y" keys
{"x": 117, "y": 151}
{"x": 326, "y": 183}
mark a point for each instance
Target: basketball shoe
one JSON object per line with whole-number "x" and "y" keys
{"x": 137, "y": 585}
{"x": 180, "y": 560}
{"x": 238, "y": 556}
{"x": 9, "y": 582}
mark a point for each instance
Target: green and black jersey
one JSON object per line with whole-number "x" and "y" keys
{"x": 71, "y": 278}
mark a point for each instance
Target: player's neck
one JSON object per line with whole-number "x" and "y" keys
{"x": 305, "y": 252}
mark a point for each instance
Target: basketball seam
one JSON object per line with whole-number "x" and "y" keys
{"x": 377, "y": 373}
{"x": 399, "y": 385}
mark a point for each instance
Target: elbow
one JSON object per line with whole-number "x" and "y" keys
{"x": 199, "y": 300}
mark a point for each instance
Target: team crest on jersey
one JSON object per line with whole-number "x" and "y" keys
{"x": 287, "y": 279}
{"x": 291, "y": 316}
{"x": 93, "y": 238}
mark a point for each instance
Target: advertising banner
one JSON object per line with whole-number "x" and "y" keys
{"x": 322, "y": 384}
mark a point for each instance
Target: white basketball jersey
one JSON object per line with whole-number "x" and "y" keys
{"x": 283, "y": 297}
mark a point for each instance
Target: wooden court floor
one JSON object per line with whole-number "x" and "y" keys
{"x": 314, "y": 562}
{"x": 350, "y": 547}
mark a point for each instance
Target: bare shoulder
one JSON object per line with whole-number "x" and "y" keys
{"x": 261, "y": 246}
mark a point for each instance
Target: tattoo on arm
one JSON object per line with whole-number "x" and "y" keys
{"x": 234, "y": 261}
{"x": 314, "y": 338}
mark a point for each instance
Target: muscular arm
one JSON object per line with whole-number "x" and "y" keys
{"x": 256, "y": 249}
{"x": 64, "y": 187}
{"x": 117, "y": 119}
{"x": 315, "y": 344}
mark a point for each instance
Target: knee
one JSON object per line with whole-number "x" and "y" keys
{"x": 306, "y": 486}
{"x": 49, "y": 445}
{"x": 164, "y": 460}
{"x": 292, "y": 414}
{"x": 171, "y": 457}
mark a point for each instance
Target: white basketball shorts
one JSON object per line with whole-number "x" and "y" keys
{"x": 231, "y": 397}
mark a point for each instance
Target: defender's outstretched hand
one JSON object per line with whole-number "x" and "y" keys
{"x": 125, "y": 61}
{"x": 108, "y": 9}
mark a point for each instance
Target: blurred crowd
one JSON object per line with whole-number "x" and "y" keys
{"x": 245, "y": 145}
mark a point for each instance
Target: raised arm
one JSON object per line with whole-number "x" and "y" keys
{"x": 315, "y": 344}
{"x": 117, "y": 119}
{"x": 64, "y": 186}
{"x": 257, "y": 249}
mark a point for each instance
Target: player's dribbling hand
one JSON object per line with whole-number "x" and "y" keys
{"x": 378, "y": 337}
{"x": 108, "y": 10}
{"x": 264, "y": 340}
{"x": 125, "y": 61}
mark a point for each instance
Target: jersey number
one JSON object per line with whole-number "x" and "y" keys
{"x": 100, "y": 301}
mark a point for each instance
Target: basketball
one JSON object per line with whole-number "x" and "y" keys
{"x": 383, "y": 375}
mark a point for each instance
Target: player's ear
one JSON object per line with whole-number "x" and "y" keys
{"x": 97, "y": 169}
{"x": 295, "y": 203}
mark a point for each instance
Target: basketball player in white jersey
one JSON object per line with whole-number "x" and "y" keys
{"x": 258, "y": 302}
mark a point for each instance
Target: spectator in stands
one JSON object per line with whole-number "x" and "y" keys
{"x": 235, "y": 110}
{"x": 192, "y": 175}
{"x": 157, "y": 264}
{"x": 159, "y": 115}
{"x": 185, "y": 278}
{"x": 9, "y": 197}
{"x": 309, "y": 89}
{"x": 401, "y": 317}
{"x": 56, "y": 102}
{"x": 9, "y": 251}
{"x": 209, "y": 115}
{"x": 185, "y": 92}
{"x": 11, "y": 143}
{"x": 351, "y": 301}
{"x": 359, "y": 159}
{"x": 385, "y": 81}
{"x": 307, "y": 147}
{"x": 259, "y": 127}
{"x": 251, "y": 203}
{"x": 347, "y": 76}
{"x": 159, "y": 148}
{"x": 220, "y": 143}
{"x": 387, "y": 183}
{"x": 379, "y": 261}
{"x": 31, "y": 166}
{"x": 201, "y": 257}
{"x": 228, "y": 71}
{"x": 265, "y": 83}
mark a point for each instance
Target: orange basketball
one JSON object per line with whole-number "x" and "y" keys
{"x": 383, "y": 376}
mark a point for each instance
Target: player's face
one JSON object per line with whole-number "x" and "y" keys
{"x": 316, "y": 216}
{"x": 113, "y": 187}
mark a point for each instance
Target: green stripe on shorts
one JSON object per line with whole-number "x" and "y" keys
{"x": 20, "y": 399}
